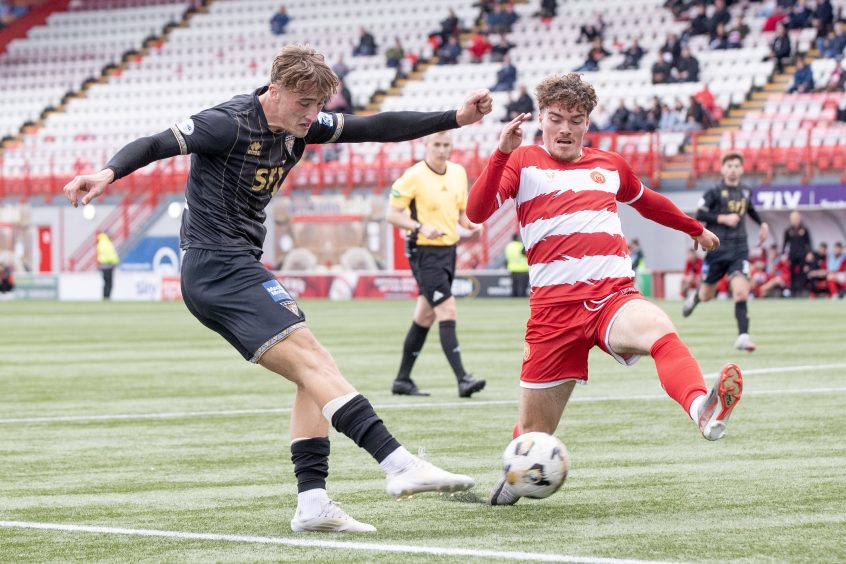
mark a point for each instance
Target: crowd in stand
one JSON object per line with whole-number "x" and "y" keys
{"x": 11, "y": 10}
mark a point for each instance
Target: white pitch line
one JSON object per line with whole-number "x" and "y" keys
{"x": 316, "y": 543}
{"x": 419, "y": 405}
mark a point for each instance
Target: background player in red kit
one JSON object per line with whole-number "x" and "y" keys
{"x": 580, "y": 270}
{"x": 692, "y": 272}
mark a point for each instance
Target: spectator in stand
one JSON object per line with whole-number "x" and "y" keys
{"x": 620, "y": 117}
{"x": 341, "y": 103}
{"x": 776, "y": 17}
{"x": 670, "y": 120}
{"x": 823, "y": 17}
{"x": 780, "y": 48}
{"x": 836, "y": 266}
{"x": 478, "y": 45}
{"x": 687, "y": 67}
{"x": 501, "y": 49}
{"x": 592, "y": 30}
{"x": 600, "y": 118}
{"x": 449, "y": 53}
{"x": 796, "y": 244}
{"x": 522, "y": 105}
{"x": 632, "y": 56}
{"x": 719, "y": 38}
{"x": 450, "y": 27}
{"x": 279, "y": 21}
{"x": 548, "y": 9}
{"x": 653, "y": 114}
{"x": 737, "y": 32}
{"x": 836, "y": 80}
{"x": 699, "y": 24}
{"x": 778, "y": 275}
{"x": 833, "y": 46}
{"x": 340, "y": 68}
{"x": 395, "y": 54}
{"x": 712, "y": 111}
{"x": 720, "y": 16}
{"x": 696, "y": 114}
{"x": 509, "y": 17}
{"x": 366, "y": 44}
{"x": 595, "y": 55}
{"x": 803, "y": 78}
{"x": 692, "y": 275}
{"x": 506, "y": 76}
{"x": 497, "y": 20}
{"x": 662, "y": 69}
{"x": 800, "y": 16}
{"x": 672, "y": 46}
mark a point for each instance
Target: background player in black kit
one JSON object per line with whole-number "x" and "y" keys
{"x": 241, "y": 152}
{"x": 723, "y": 210}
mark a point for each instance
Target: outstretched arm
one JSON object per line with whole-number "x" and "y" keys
{"x": 661, "y": 209}
{"x": 135, "y": 155}
{"x": 484, "y": 197}
{"x": 403, "y": 126}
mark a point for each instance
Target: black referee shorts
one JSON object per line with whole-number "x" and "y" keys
{"x": 234, "y": 295}
{"x": 434, "y": 269}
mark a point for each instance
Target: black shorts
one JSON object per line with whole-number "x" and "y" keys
{"x": 434, "y": 269}
{"x": 714, "y": 268}
{"x": 234, "y": 295}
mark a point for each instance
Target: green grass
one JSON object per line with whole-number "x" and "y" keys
{"x": 643, "y": 483}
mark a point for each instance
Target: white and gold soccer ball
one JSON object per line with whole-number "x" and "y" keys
{"x": 535, "y": 465}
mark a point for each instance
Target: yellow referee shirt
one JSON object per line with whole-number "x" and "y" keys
{"x": 434, "y": 199}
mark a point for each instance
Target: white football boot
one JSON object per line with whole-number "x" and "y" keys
{"x": 330, "y": 520}
{"x": 719, "y": 403}
{"x": 744, "y": 343}
{"x": 421, "y": 476}
{"x": 502, "y": 494}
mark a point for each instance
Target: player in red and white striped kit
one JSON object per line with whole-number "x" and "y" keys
{"x": 580, "y": 271}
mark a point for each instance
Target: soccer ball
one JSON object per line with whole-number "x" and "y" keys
{"x": 535, "y": 465}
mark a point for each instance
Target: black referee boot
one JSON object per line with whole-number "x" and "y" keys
{"x": 467, "y": 386}
{"x": 407, "y": 388}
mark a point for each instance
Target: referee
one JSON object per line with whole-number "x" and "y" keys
{"x": 434, "y": 191}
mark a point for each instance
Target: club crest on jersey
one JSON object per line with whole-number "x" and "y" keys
{"x": 289, "y": 143}
{"x": 277, "y": 291}
{"x": 254, "y": 149}
{"x": 597, "y": 177}
{"x": 186, "y": 126}
{"x": 291, "y": 306}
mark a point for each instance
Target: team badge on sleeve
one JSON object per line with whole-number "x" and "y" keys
{"x": 186, "y": 126}
{"x": 325, "y": 119}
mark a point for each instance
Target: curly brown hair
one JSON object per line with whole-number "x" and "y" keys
{"x": 300, "y": 69}
{"x": 568, "y": 90}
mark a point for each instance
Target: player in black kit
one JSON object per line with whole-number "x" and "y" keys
{"x": 241, "y": 152}
{"x": 723, "y": 210}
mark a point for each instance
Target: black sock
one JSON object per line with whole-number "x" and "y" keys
{"x": 411, "y": 349}
{"x": 449, "y": 342}
{"x": 357, "y": 420}
{"x": 311, "y": 463}
{"x": 742, "y": 316}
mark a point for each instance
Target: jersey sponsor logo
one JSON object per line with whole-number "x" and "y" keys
{"x": 325, "y": 119}
{"x": 268, "y": 179}
{"x": 597, "y": 177}
{"x": 186, "y": 126}
{"x": 254, "y": 149}
{"x": 277, "y": 292}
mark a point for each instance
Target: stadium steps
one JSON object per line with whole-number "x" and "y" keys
{"x": 676, "y": 170}
{"x": 397, "y": 86}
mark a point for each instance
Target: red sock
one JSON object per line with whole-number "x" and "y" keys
{"x": 832, "y": 287}
{"x": 678, "y": 370}
{"x": 516, "y": 432}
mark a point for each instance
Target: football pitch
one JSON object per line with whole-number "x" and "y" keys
{"x": 129, "y": 432}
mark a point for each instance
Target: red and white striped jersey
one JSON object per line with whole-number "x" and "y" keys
{"x": 569, "y": 221}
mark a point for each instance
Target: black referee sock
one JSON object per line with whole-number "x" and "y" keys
{"x": 449, "y": 342}
{"x": 311, "y": 463}
{"x": 357, "y": 420}
{"x": 742, "y": 316}
{"x": 414, "y": 341}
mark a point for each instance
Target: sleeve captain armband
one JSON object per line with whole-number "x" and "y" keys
{"x": 338, "y": 129}
{"x": 183, "y": 146}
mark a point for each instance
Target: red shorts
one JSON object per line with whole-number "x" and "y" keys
{"x": 559, "y": 338}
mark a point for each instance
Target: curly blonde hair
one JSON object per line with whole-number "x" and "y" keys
{"x": 568, "y": 90}
{"x": 300, "y": 69}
